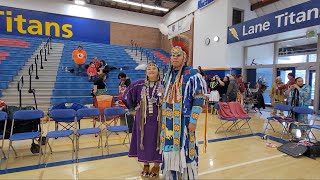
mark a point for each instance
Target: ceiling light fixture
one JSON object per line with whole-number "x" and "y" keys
{"x": 80, "y": 2}
{"x": 142, "y": 5}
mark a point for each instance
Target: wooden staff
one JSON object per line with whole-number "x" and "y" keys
{"x": 205, "y": 126}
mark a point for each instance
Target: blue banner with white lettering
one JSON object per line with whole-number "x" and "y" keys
{"x": 15, "y": 21}
{"x": 203, "y": 3}
{"x": 293, "y": 18}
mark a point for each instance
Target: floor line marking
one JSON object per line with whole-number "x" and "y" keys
{"x": 240, "y": 164}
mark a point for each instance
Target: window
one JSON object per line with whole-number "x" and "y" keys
{"x": 237, "y": 16}
{"x": 292, "y": 59}
{"x": 312, "y": 57}
{"x": 260, "y": 55}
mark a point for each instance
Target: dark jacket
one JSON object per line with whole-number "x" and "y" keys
{"x": 232, "y": 89}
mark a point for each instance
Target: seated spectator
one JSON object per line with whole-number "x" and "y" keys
{"x": 96, "y": 62}
{"x": 105, "y": 68}
{"x": 99, "y": 87}
{"x": 79, "y": 56}
{"x": 92, "y": 72}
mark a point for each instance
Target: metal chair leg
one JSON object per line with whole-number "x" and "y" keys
{"x": 51, "y": 151}
{"x": 10, "y": 145}
{"x": 129, "y": 137}
{"x": 73, "y": 149}
{"x": 77, "y": 147}
{"x": 40, "y": 151}
{"x": 107, "y": 144}
{"x": 45, "y": 151}
{"x": 100, "y": 142}
{"x": 15, "y": 152}
{"x": 237, "y": 129}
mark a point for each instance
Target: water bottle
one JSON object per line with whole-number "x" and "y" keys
{"x": 66, "y": 69}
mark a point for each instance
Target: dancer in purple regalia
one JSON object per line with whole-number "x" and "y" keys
{"x": 142, "y": 99}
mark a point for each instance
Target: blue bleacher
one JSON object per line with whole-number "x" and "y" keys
{"x": 159, "y": 62}
{"x": 77, "y": 89}
{"x": 69, "y": 87}
{"x": 17, "y": 58}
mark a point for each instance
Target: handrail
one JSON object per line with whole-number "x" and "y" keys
{"x": 41, "y": 66}
{"x": 45, "y": 54}
{"x": 19, "y": 89}
{"x": 136, "y": 45}
{"x": 36, "y": 63}
{"x": 30, "y": 77}
{"x": 141, "y": 52}
{"x": 132, "y": 43}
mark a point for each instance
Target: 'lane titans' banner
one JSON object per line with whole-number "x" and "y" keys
{"x": 16, "y": 21}
{"x": 293, "y": 18}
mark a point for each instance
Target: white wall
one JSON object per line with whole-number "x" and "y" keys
{"x": 88, "y": 11}
{"x": 214, "y": 21}
{"x": 235, "y": 52}
{"x": 184, "y": 9}
{"x": 209, "y": 22}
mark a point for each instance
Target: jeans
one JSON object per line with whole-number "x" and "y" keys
{"x": 224, "y": 98}
{"x": 80, "y": 68}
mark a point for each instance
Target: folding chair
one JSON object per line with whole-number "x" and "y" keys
{"x": 238, "y": 112}
{"x": 284, "y": 121}
{"x": 66, "y": 125}
{"x": 3, "y": 118}
{"x": 314, "y": 126}
{"x": 88, "y": 112}
{"x": 303, "y": 111}
{"x": 233, "y": 121}
{"x": 112, "y": 113}
{"x": 62, "y": 115}
{"x": 25, "y": 115}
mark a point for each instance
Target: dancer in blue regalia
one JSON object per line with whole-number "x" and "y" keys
{"x": 183, "y": 98}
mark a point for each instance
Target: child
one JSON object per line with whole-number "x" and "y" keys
{"x": 92, "y": 71}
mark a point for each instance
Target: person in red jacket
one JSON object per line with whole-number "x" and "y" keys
{"x": 241, "y": 89}
{"x": 92, "y": 72}
{"x": 287, "y": 86}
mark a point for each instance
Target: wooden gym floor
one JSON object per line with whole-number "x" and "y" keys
{"x": 239, "y": 157}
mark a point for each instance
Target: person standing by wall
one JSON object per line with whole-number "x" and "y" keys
{"x": 285, "y": 87}
{"x": 277, "y": 95}
{"x": 232, "y": 89}
{"x": 223, "y": 88}
{"x": 299, "y": 95}
{"x": 241, "y": 89}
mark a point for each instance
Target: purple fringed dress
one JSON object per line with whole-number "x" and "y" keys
{"x": 131, "y": 98}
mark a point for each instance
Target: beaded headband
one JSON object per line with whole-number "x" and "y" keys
{"x": 152, "y": 64}
{"x": 177, "y": 51}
